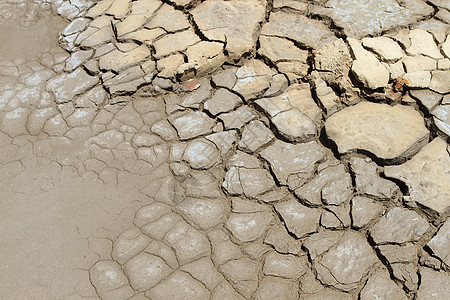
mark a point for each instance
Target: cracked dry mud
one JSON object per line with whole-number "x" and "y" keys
{"x": 240, "y": 149}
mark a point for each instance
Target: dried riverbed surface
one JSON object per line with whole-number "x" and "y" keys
{"x": 239, "y": 149}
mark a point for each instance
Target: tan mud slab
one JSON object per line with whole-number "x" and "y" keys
{"x": 224, "y": 149}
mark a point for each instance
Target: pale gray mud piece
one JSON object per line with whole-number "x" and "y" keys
{"x": 254, "y": 136}
{"x": 441, "y": 117}
{"x": 427, "y": 98}
{"x": 364, "y": 210}
{"x": 438, "y": 29}
{"x": 223, "y": 249}
{"x": 128, "y": 244}
{"x": 225, "y": 77}
{"x": 427, "y": 176}
{"x": 293, "y": 164}
{"x": 386, "y": 49}
{"x": 109, "y": 280}
{"x": 306, "y": 32}
{"x": 243, "y": 275}
{"x": 398, "y": 226}
{"x": 380, "y": 286}
{"x": 201, "y": 154}
{"x": 331, "y": 186}
{"x": 180, "y": 101}
{"x": 253, "y": 79}
{"x": 14, "y": 122}
{"x": 232, "y": 22}
{"x": 66, "y": 86}
{"x": 146, "y": 271}
{"x": 179, "y": 286}
{"x": 290, "y": 60}
{"x": 224, "y": 141}
{"x": 434, "y": 285}
{"x": 192, "y": 124}
{"x": 441, "y": 3}
{"x": 299, "y": 219}
{"x": 128, "y": 81}
{"x": 205, "y": 57}
{"x": 422, "y": 42}
{"x": 284, "y": 265}
{"x": 244, "y": 178}
{"x": 242, "y": 161}
{"x": 402, "y": 262}
{"x": 359, "y": 19}
{"x": 327, "y": 97}
{"x": 247, "y": 227}
{"x": 344, "y": 262}
{"x": 390, "y": 133}
{"x": 294, "y": 113}
{"x": 118, "y": 60}
{"x": 440, "y": 81}
{"x": 276, "y": 288}
{"x": 204, "y": 213}
{"x": 202, "y": 184}
{"x": 204, "y": 271}
{"x": 188, "y": 243}
{"x": 332, "y": 63}
{"x": 370, "y": 73}
{"x": 237, "y": 118}
{"x": 176, "y": 42}
{"x": 368, "y": 180}
{"x": 222, "y": 101}
{"x": 279, "y": 238}
{"x": 440, "y": 243}
{"x": 336, "y": 217}
{"x": 443, "y": 15}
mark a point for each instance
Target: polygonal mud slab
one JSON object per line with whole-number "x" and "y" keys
{"x": 193, "y": 247}
{"x": 427, "y": 176}
{"x": 233, "y": 22}
{"x": 390, "y": 133}
{"x": 434, "y": 285}
{"x": 399, "y": 225}
{"x": 440, "y": 243}
{"x": 362, "y": 18}
{"x": 306, "y": 32}
{"x": 345, "y": 262}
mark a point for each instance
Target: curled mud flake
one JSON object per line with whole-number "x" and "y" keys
{"x": 191, "y": 84}
{"x": 400, "y": 84}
